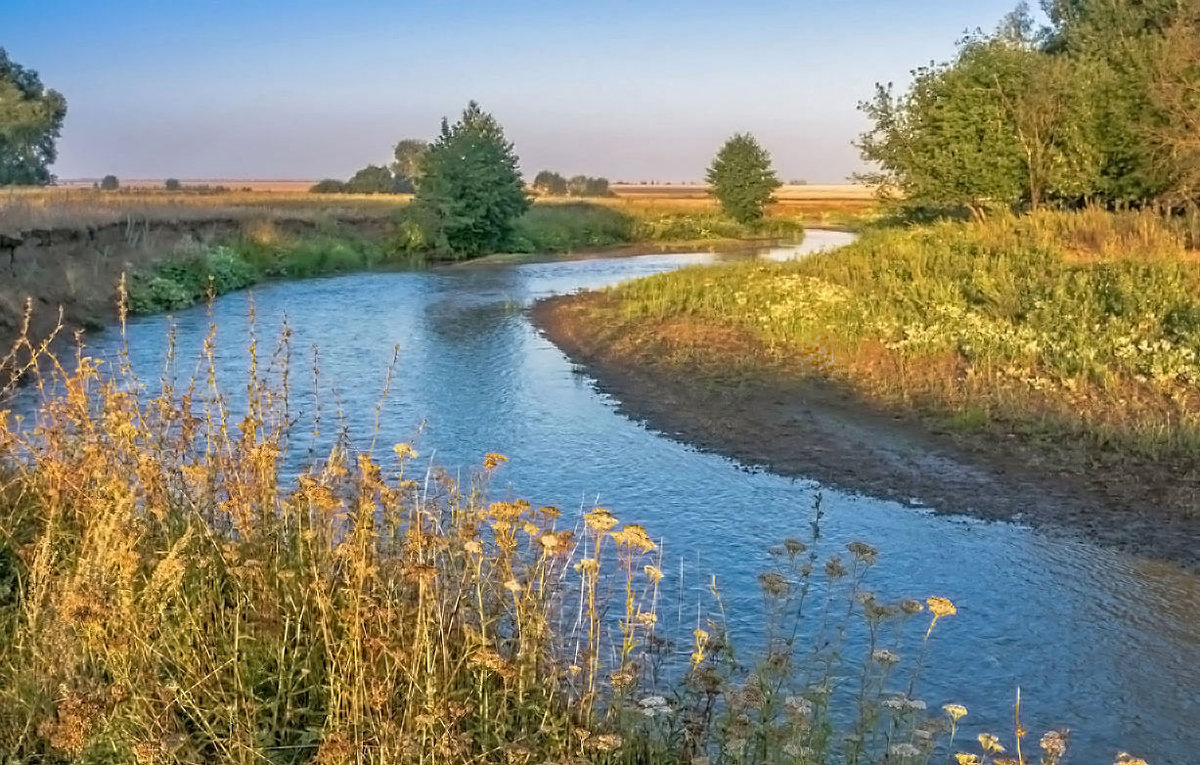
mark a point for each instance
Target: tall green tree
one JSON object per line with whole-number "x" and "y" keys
{"x": 742, "y": 179}
{"x": 31, "y": 118}
{"x": 1174, "y": 93}
{"x": 470, "y": 190}
{"x": 1003, "y": 125}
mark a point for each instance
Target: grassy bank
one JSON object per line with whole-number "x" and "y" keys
{"x": 1079, "y": 333}
{"x": 166, "y": 596}
{"x": 261, "y": 252}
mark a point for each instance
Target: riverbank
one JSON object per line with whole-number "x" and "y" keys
{"x": 775, "y": 365}
{"x": 69, "y": 252}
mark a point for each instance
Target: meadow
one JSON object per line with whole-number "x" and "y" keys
{"x": 1077, "y": 332}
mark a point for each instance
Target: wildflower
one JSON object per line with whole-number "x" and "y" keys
{"x": 647, "y": 618}
{"x": 634, "y": 536}
{"x": 904, "y": 751}
{"x": 549, "y": 541}
{"x": 956, "y": 711}
{"x": 939, "y": 607}
{"x": 588, "y": 566}
{"x": 1054, "y": 744}
{"x": 773, "y": 583}
{"x": 653, "y": 573}
{"x": 701, "y": 641}
{"x": 623, "y": 679}
{"x": 1125, "y": 758}
{"x": 474, "y": 547}
{"x": 910, "y": 606}
{"x": 405, "y": 451}
{"x": 600, "y": 520}
{"x": 798, "y": 707}
{"x": 493, "y": 461}
{"x": 863, "y": 552}
{"x": 794, "y": 546}
{"x": 885, "y": 657}
{"x": 990, "y": 743}
{"x": 513, "y": 586}
{"x": 834, "y": 568}
{"x": 967, "y": 759}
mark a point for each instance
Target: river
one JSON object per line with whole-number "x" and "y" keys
{"x": 1103, "y": 643}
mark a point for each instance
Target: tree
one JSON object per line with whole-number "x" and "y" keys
{"x": 109, "y": 183}
{"x": 328, "y": 186}
{"x": 372, "y": 179}
{"x": 1175, "y": 95}
{"x": 550, "y": 183}
{"x": 1003, "y": 125}
{"x": 741, "y": 178}
{"x": 173, "y": 184}
{"x": 31, "y": 119}
{"x": 471, "y": 190}
{"x": 409, "y": 154}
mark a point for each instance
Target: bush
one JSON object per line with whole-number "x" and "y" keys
{"x": 109, "y": 183}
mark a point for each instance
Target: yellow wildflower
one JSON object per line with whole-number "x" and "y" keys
{"x": 653, "y": 573}
{"x": 990, "y": 743}
{"x": 405, "y": 451}
{"x": 493, "y": 461}
{"x": 939, "y": 607}
{"x": 634, "y": 536}
{"x": 600, "y": 520}
{"x": 956, "y": 711}
{"x": 967, "y": 759}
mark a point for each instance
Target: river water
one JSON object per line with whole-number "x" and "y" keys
{"x": 1103, "y": 643}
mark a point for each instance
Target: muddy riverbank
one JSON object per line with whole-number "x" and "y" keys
{"x": 77, "y": 269}
{"x": 817, "y": 430}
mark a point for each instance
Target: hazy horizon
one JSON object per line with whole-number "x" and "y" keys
{"x": 630, "y": 91}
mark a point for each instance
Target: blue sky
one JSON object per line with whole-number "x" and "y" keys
{"x": 629, "y": 90}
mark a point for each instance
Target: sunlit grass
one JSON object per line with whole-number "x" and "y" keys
{"x": 1086, "y": 323}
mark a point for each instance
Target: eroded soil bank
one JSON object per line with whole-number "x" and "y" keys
{"x": 813, "y": 429}
{"x": 78, "y": 270}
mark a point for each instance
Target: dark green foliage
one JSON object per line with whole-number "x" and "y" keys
{"x": 110, "y": 183}
{"x": 550, "y": 184}
{"x": 173, "y": 184}
{"x": 471, "y": 190}
{"x": 586, "y": 186}
{"x": 1097, "y": 107}
{"x": 188, "y": 278}
{"x": 742, "y": 179}
{"x": 571, "y": 226}
{"x": 329, "y": 186}
{"x": 31, "y": 119}
{"x": 372, "y": 179}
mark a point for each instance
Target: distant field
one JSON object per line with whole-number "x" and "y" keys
{"x": 76, "y": 203}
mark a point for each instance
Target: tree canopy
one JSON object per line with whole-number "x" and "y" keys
{"x": 406, "y": 166}
{"x": 741, "y": 178}
{"x": 470, "y": 189}
{"x": 31, "y": 118}
{"x": 1095, "y": 106}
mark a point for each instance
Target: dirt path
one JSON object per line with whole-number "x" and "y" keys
{"x": 814, "y": 430}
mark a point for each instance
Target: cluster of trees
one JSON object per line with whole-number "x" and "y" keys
{"x": 551, "y": 184}
{"x": 398, "y": 178}
{"x": 1100, "y": 103}
{"x": 31, "y": 118}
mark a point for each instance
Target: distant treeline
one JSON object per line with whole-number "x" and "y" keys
{"x": 398, "y": 178}
{"x": 551, "y": 184}
{"x": 1095, "y": 105}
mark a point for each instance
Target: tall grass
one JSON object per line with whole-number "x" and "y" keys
{"x": 1083, "y": 322}
{"x": 173, "y": 589}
